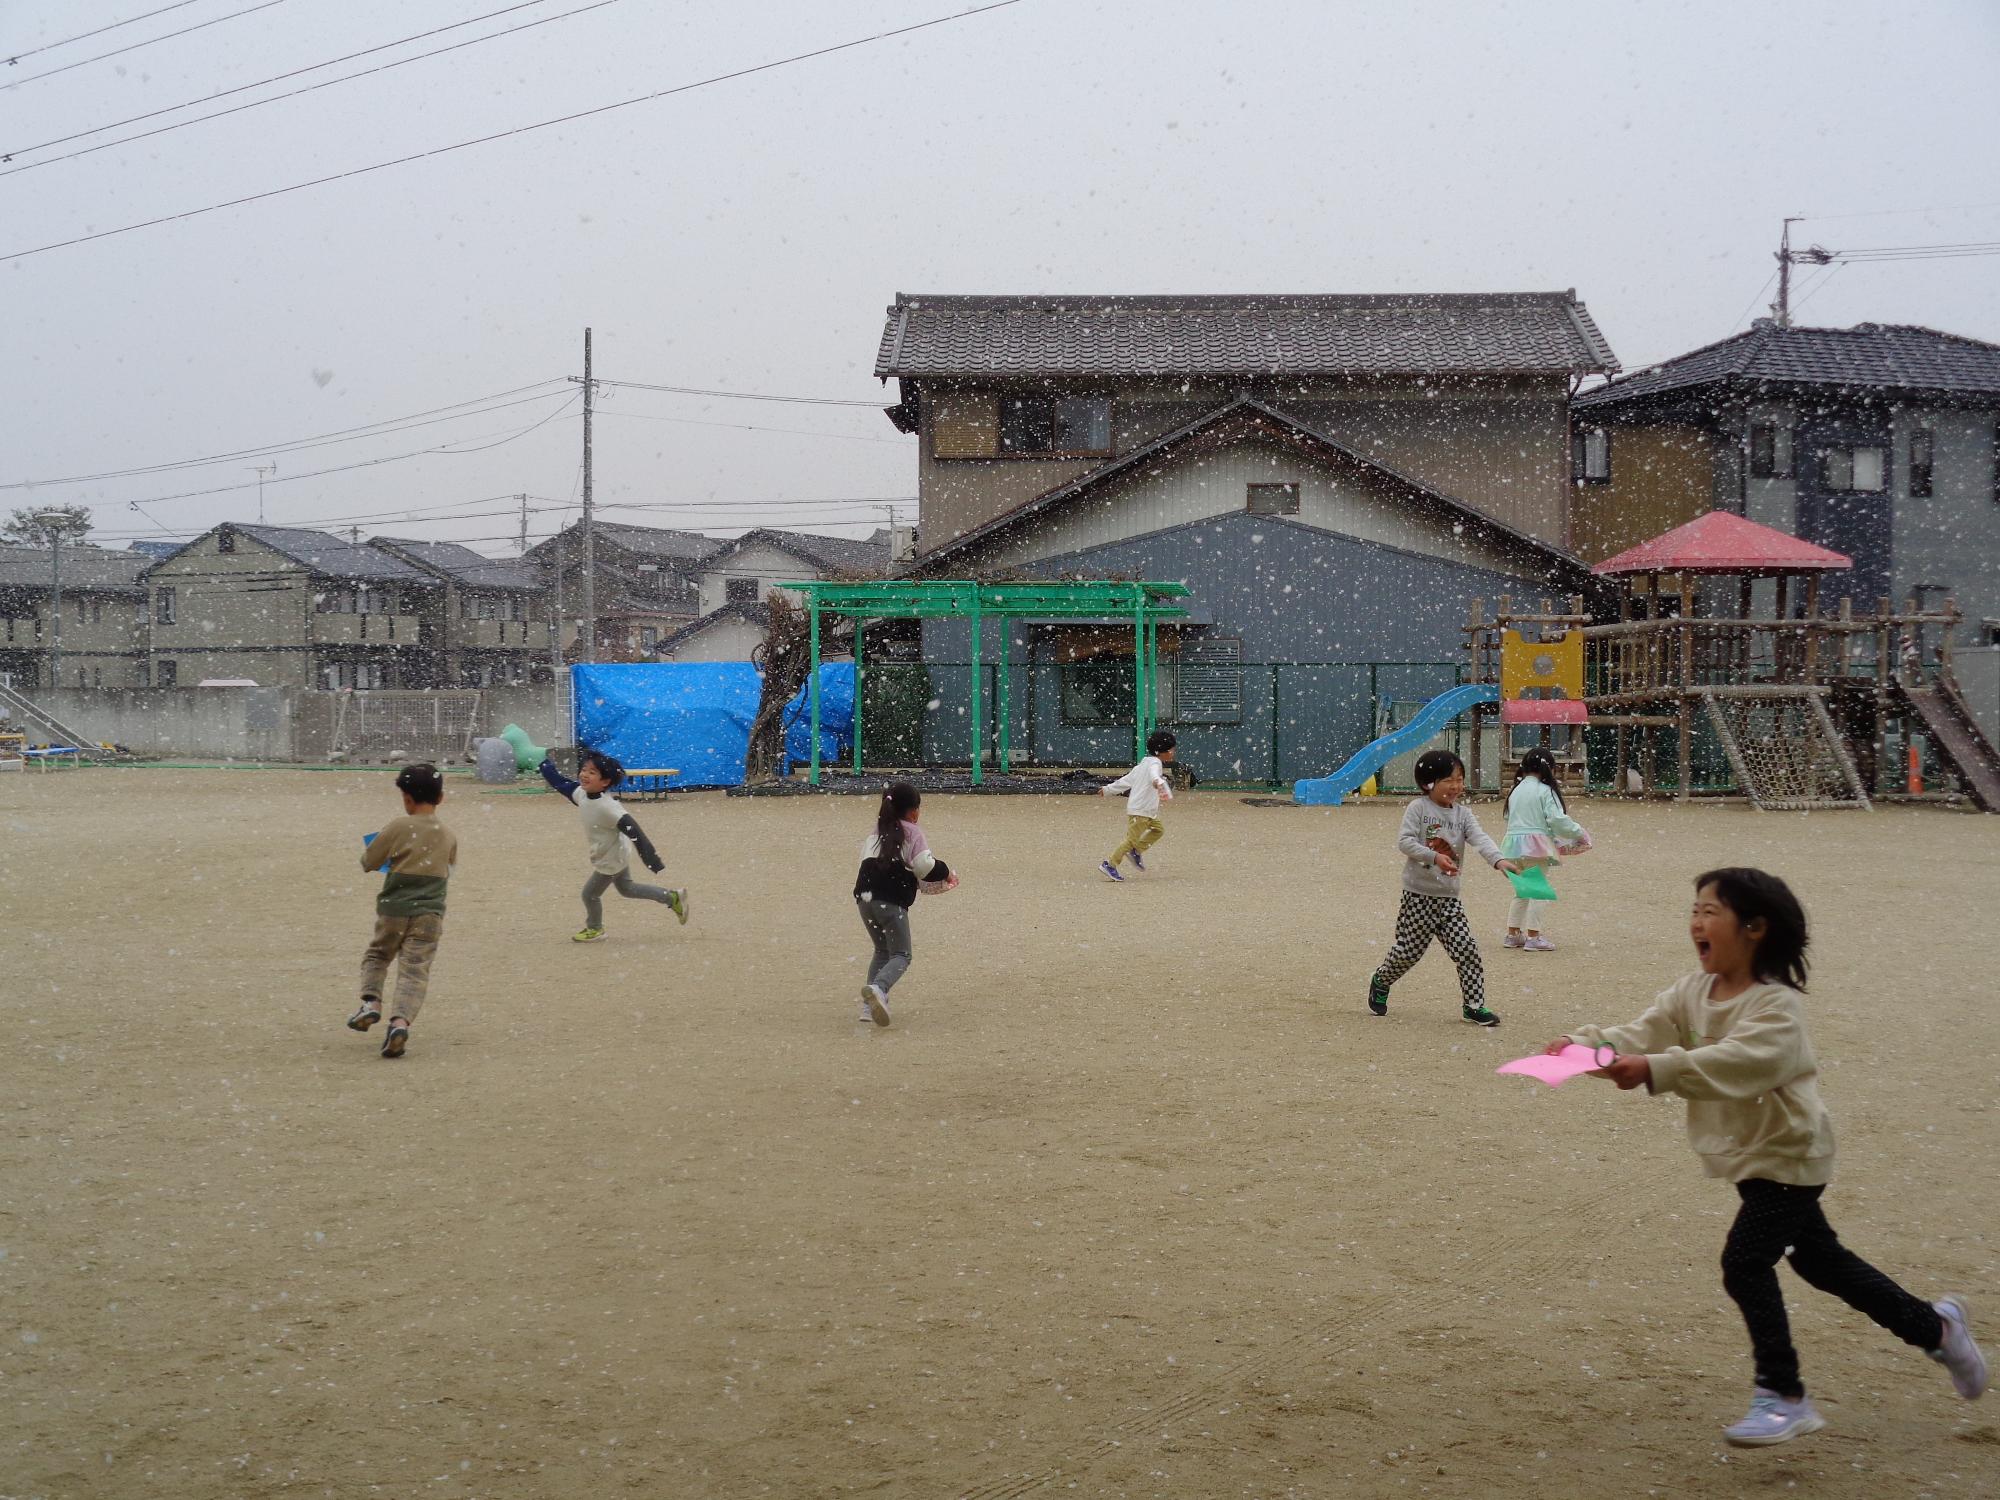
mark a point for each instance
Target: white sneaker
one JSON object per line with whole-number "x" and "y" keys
{"x": 1773, "y": 1419}
{"x": 876, "y": 1004}
{"x": 1539, "y": 944}
{"x": 1512, "y": 940}
{"x": 1958, "y": 1353}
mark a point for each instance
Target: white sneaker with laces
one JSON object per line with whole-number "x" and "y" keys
{"x": 1512, "y": 940}
{"x": 1539, "y": 944}
{"x": 1958, "y": 1353}
{"x": 876, "y": 1004}
{"x": 1773, "y": 1419}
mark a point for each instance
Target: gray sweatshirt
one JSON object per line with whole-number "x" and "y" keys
{"x": 1455, "y": 827}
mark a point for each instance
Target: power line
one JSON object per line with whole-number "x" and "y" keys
{"x": 1895, "y": 213}
{"x": 1814, "y": 290}
{"x": 689, "y": 390}
{"x": 135, "y": 46}
{"x": 1752, "y": 303}
{"x": 293, "y": 93}
{"x": 1920, "y": 252}
{"x": 371, "y": 429}
{"x": 449, "y": 450}
{"x": 845, "y": 437}
{"x": 86, "y": 35}
{"x": 84, "y": 239}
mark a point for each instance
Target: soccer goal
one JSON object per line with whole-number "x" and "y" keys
{"x": 410, "y": 726}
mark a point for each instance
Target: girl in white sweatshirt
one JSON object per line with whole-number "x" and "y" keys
{"x": 1732, "y": 1041}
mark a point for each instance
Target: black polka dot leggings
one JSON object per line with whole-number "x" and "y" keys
{"x": 1778, "y": 1220}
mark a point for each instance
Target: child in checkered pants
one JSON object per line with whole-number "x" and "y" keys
{"x": 1435, "y": 831}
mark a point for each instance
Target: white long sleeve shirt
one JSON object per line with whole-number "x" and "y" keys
{"x": 1144, "y": 786}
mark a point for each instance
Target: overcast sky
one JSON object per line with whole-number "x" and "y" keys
{"x": 748, "y": 235}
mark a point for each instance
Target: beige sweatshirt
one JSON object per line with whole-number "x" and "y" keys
{"x": 1747, "y": 1070}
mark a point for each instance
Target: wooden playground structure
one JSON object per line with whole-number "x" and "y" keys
{"x": 1802, "y": 701}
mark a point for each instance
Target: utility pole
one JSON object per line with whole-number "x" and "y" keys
{"x": 53, "y": 521}
{"x": 524, "y": 523}
{"x": 1814, "y": 256}
{"x": 260, "y": 470}
{"x": 591, "y": 543}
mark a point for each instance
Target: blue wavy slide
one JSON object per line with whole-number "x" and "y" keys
{"x": 1330, "y": 791}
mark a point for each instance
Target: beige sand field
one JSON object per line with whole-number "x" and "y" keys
{"x": 1134, "y": 1199}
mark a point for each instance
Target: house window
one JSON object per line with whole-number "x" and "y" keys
{"x": 1857, "y": 470}
{"x": 1923, "y": 442}
{"x": 1098, "y": 691}
{"x": 964, "y": 424}
{"x": 226, "y": 542}
{"x": 1770, "y": 451}
{"x": 167, "y": 673}
{"x": 163, "y": 607}
{"x": 336, "y": 602}
{"x": 1272, "y": 499}
{"x": 1055, "y": 424}
{"x": 1590, "y": 455}
{"x": 649, "y": 637}
{"x": 139, "y": 675}
{"x": 369, "y": 674}
{"x": 739, "y": 590}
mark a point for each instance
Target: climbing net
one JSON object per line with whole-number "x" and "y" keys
{"x": 1785, "y": 751}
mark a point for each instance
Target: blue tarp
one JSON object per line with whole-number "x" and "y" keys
{"x": 695, "y": 716}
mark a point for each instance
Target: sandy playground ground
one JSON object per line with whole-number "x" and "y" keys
{"x": 1134, "y": 1198}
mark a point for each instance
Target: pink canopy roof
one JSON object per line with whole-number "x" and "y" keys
{"x": 1722, "y": 543}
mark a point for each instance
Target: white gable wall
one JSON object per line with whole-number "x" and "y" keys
{"x": 1180, "y": 489}
{"x": 768, "y": 565}
{"x": 725, "y": 640}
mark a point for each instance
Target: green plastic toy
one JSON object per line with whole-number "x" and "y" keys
{"x": 1532, "y": 884}
{"x": 527, "y": 754}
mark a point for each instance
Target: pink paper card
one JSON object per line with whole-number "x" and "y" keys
{"x": 1558, "y": 1068}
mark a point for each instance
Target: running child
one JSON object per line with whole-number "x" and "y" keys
{"x": 1145, "y": 787}
{"x": 896, "y": 863}
{"x": 1732, "y": 1041}
{"x": 607, "y": 828}
{"x": 1435, "y": 831}
{"x": 1539, "y": 831}
{"x": 418, "y": 852}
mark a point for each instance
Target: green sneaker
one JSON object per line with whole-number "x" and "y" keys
{"x": 1479, "y": 1017}
{"x": 677, "y": 903}
{"x": 591, "y": 935}
{"x": 1378, "y": 995}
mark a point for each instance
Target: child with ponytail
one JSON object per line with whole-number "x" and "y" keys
{"x": 896, "y": 862}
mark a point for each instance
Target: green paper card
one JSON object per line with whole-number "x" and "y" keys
{"x": 1532, "y": 884}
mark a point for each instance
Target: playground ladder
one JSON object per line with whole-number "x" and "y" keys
{"x": 26, "y": 708}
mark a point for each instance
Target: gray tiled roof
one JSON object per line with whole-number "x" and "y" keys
{"x": 1465, "y": 333}
{"x": 838, "y": 554}
{"x": 156, "y": 550}
{"x": 1877, "y": 355}
{"x": 462, "y": 565}
{"x": 334, "y": 557}
{"x": 659, "y": 541}
{"x": 758, "y": 614}
{"x": 84, "y": 568}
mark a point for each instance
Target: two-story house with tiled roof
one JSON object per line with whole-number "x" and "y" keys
{"x": 103, "y": 617}
{"x": 644, "y": 582}
{"x": 491, "y": 621}
{"x": 735, "y": 581}
{"x": 1334, "y": 478}
{"x": 285, "y": 607}
{"x": 1877, "y": 441}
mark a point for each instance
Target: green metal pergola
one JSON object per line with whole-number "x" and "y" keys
{"x": 1144, "y": 604}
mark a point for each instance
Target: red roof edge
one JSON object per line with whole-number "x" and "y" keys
{"x": 1720, "y": 542}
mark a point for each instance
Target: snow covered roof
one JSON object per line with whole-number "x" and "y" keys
{"x": 1874, "y": 355}
{"x": 1723, "y": 543}
{"x": 1434, "y": 333}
